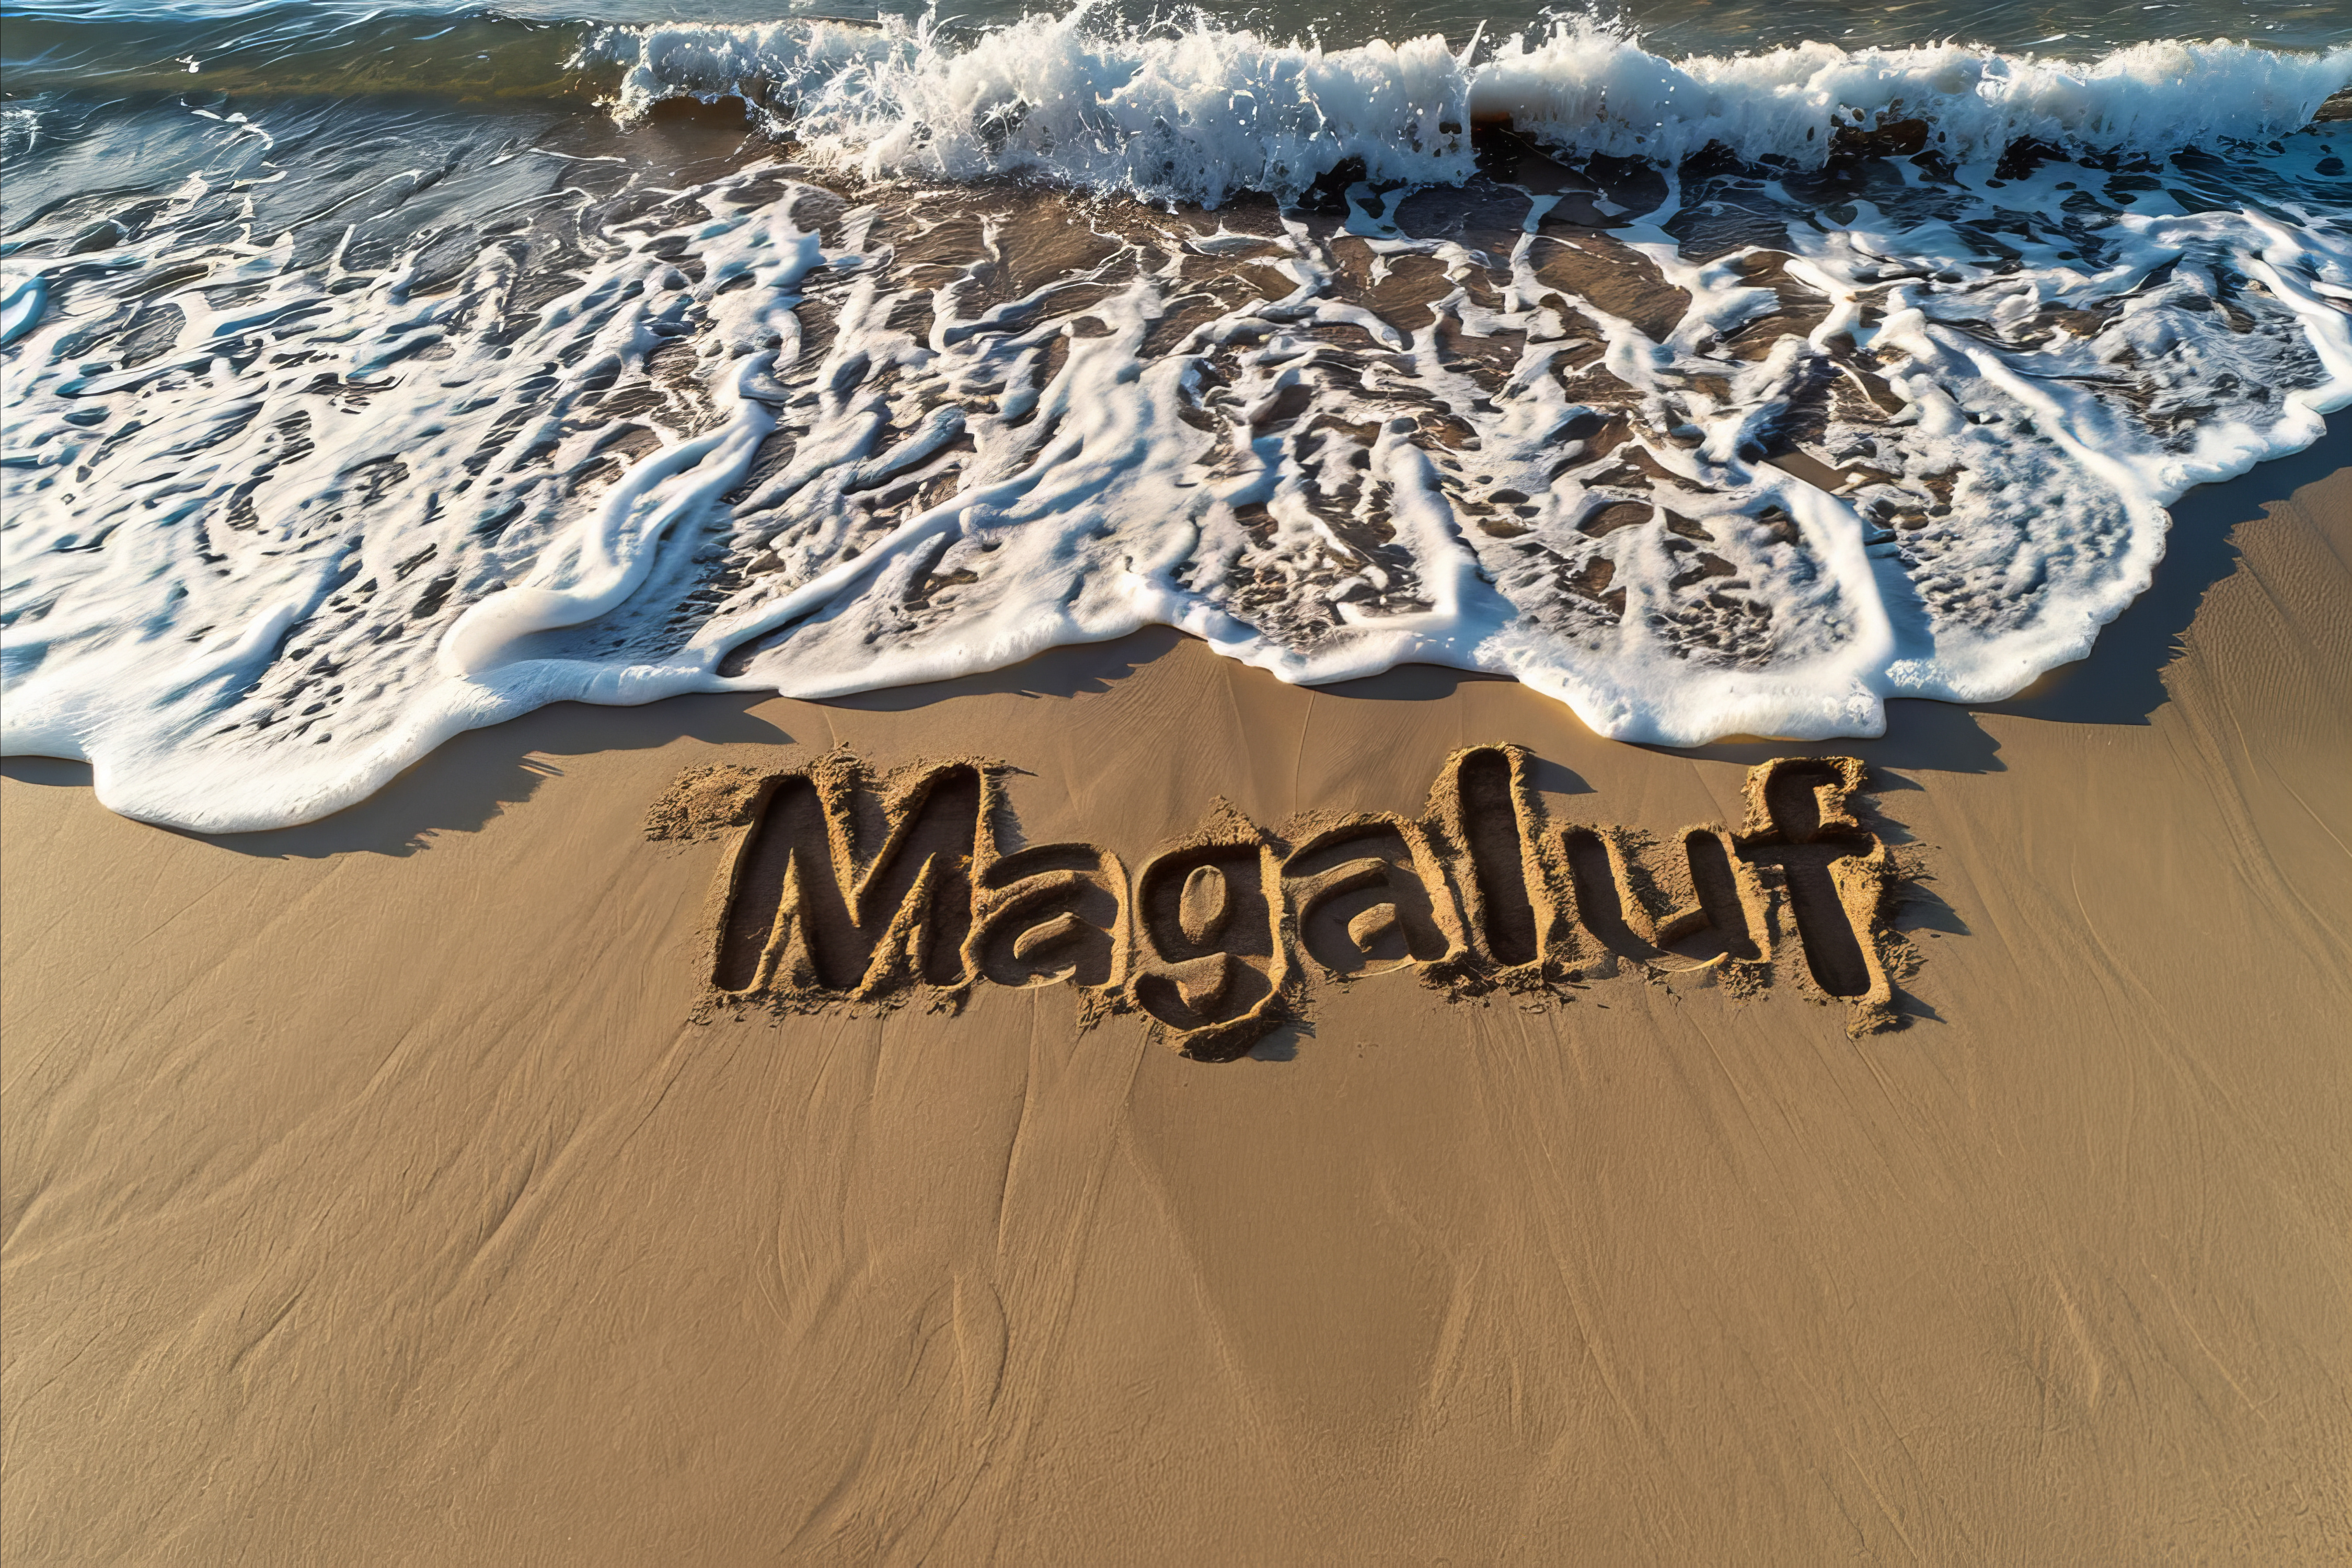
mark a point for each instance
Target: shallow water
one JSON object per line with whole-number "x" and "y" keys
{"x": 372, "y": 377}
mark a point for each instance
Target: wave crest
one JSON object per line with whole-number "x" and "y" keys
{"x": 1201, "y": 113}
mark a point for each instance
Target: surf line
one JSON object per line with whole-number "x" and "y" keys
{"x": 848, "y": 885}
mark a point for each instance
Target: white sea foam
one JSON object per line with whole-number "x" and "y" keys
{"x": 331, "y": 513}
{"x": 1199, "y": 114}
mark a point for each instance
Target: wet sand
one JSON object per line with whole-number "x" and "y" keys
{"x": 373, "y": 1191}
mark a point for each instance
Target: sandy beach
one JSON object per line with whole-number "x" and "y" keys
{"x": 388, "y": 1190}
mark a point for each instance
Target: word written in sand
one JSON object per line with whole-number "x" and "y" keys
{"x": 845, "y": 885}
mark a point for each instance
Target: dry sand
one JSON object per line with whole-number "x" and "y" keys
{"x": 371, "y": 1193}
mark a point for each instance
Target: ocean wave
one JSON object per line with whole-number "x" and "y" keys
{"x": 1200, "y": 113}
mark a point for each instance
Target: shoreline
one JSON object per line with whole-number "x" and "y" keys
{"x": 372, "y": 1184}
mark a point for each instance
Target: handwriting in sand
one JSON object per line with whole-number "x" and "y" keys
{"x": 845, "y": 885}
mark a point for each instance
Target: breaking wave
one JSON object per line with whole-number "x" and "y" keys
{"x": 1201, "y": 113}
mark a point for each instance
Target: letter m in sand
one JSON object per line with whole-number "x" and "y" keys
{"x": 847, "y": 886}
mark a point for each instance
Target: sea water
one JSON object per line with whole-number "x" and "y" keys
{"x": 372, "y": 375}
